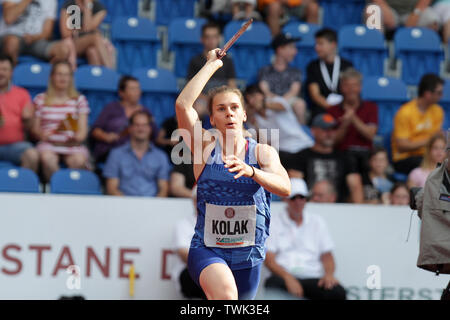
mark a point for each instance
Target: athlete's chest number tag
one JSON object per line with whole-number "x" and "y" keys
{"x": 230, "y": 226}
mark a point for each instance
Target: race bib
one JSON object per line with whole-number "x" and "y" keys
{"x": 230, "y": 226}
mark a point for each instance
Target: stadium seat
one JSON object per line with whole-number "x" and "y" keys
{"x": 99, "y": 85}
{"x": 364, "y": 47}
{"x": 120, "y": 8}
{"x": 389, "y": 94}
{"x": 166, "y": 11}
{"x": 18, "y": 180}
{"x": 251, "y": 51}
{"x": 184, "y": 41}
{"x": 6, "y": 164}
{"x": 305, "y": 46}
{"x": 419, "y": 50}
{"x": 445, "y": 103}
{"x": 136, "y": 41}
{"x": 159, "y": 92}
{"x": 68, "y": 181}
{"x": 32, "y": 76}
{"x": 337, "y": 13}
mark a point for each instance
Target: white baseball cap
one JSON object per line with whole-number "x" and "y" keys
{"x": 298, "y": 187}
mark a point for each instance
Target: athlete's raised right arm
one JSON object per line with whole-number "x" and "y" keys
{"x": 186, "y": 114}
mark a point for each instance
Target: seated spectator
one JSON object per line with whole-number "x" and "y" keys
{"x": 87, "y": 41}
{"x": 321, "y": 162}
{"x": 61, "y": 123}
{"x": 27, "y": 27}
{"x": 138, "y": 168}
{"x": 442, "y": 9}
{"x": 110, "y": 130}
{"x": 399, "y": 195}
{"x": 275, "y": 114}
{"x": 299, "y": 251}
{"x": 415, "y": 123}
{"x": 182, "y": 180}
{"x": 277, "y": 12}
{"x": 435, "y": 153}
{"x": 244, "y": 10}
{"x": 407, "y": 13}
{"x": 16, "y": 118}
{"x": 322, "y": 75}
{"x": 182, "y": 236}
{"x": 358, "y": 120}
{"x": 377, "y": 183}
{"x": 323, "y": 191}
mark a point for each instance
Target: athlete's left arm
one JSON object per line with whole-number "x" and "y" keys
{"x": 272, "y": 176}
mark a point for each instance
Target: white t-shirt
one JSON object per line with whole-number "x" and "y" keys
{"x": 298, "y": 248}
{"x": 292, "y": 138}
{"x": 184, "y": 231}
{"x": 33, "y": 18}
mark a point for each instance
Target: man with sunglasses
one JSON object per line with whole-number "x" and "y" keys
{"x": 299, "y": 252}
{"x": 415, "y": 123}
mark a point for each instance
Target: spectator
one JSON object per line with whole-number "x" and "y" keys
{"x": 442, "y": 10}
{"x": 321, "y": 162}
{"x": 244, "y": 10}
{"x": 435, "y": 153}
{"x": 184, "y": 231}
{"x": 87, "y": 40}
{"x": 358, "y": 120}
{"x": 407, "y": 13}
{"x": 137, "y": 168}
{"x": 299, "y": 251}
{"x": 323, "y": 191}
{"x": 16, "y": 113}
{"x": 399, "y": 194}
{"x": 415, "y": 123}
{"x": 61, "y": 123}
{"x": 322, "y": 74}
{"x": 376, "y": 181}
{"x": 27, "y": 27}
{"x": 110, "y": 130}
{"x": 182, "y": 180}
{"x": 278, "y": 11}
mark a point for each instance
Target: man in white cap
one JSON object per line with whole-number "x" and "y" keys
{"x": 299, "y": 252}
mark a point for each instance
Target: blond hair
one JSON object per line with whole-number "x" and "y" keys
{"x": 223, "y": 89}
{"x": 71, "y": 91}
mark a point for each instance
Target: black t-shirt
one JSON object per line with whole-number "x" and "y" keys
{"x": 219, "y": 78}
{"x": 333, "y": 167}
{"x": 187, "y": 170}
{"x": 313, "y": 75}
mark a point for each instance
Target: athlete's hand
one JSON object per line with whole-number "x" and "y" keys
{"x": 213, "y": 57}
{"x": 237, "y": 165}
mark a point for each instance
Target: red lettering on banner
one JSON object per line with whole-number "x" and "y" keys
{"x": 103, "y": 268}
{"x": 39, "y": 250}
{"x": 123, "y": 262}
{"x": 59, "y": 265}
{"x": 164, "y": 274}
{"x": 12, "y": 259}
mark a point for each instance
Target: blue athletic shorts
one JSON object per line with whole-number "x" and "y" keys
{"x": 247, "y": 280}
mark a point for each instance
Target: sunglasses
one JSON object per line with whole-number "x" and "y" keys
{"x": 298, "y": 196}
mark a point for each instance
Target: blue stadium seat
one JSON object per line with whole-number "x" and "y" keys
{"x": 120, "y": 8}
{"x": 184, "y": 41}
{"x": 6, "y": 164}
{"x": 364, "y": 47}
{"x": 159, "y": 92}
{"x": 419, "y": 50}
{"x": 68, "y": 181}
{"x": 389, "y": 94}
{"x": 166, "y": 11}
{"x": 99, "y": 85}
{"x": 32, "y": 76}
{"x": 337, "y": 13}
{"x": 136, "y": 41}
{"x": 18, "y": 180}
{"x": 251, "y": 51}
{"x": 305, "y": 46}
{"x": 445, "y": 103}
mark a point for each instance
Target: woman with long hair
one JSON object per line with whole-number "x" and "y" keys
{"x": 235, "y": 178}
{"x": 61, "y": 122}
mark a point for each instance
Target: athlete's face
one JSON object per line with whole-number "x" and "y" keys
{"x": 228, "y": 114}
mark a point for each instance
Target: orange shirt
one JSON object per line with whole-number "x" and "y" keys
{"x": 290, "y": 3}
{"x": 413, "y": 124}
{"x": 12, "y": 104}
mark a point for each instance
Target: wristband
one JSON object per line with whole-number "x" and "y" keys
{"x": 253, "y": 172}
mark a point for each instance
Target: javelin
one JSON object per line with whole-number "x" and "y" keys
{"x": 221, "y": 53}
